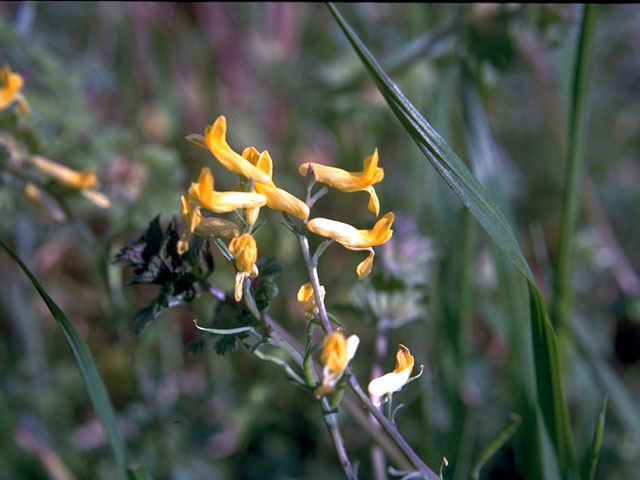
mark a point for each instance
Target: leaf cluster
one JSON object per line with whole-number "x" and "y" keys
{"x": 156, "y": 261}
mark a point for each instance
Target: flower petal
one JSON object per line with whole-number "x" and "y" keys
{"x": 394, "y": 381}
{"x": 215, "y": 137}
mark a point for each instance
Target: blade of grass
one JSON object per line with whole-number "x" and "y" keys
{"x": 95, "y": 387}
{"x": 475, "y": 198}
{"x": 596, "y": 444}
{"x": 491, "y": 449}
{"x": 513, "y": 302}
{"x": 562, "y": 283}
{"x": 549, "y": 383}
{"x": 438, "y": 152}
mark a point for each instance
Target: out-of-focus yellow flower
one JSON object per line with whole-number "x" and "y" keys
{"x": 245, "y": 253}
{"x": 221, "y": 202}
{"x": 351, "y": 181}
{"x": 35, "y": 196}
{"x": 84, "y": 180}
{"x": 10, "y": 85}
{"x": 394, "y": 381}
{"x": 336, "y": 354}
{"x": 203, "y": 226}
{"x": 307, "y": 299}
{"x": 277, "y": 198}
{"x": 354, "y": 239}
{"x": 215, "y": 138}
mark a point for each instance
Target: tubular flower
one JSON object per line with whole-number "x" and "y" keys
{"x": 84, "y": 180}
{"x": 10, "y": 85}
{"x": 221, "y": 202}
{"x": 35, "y": 196}
{"x": 277, "y": 198}
{"x": 202, "y": 226}
{"x": 351, "y": 181}
{"x": 307, "y": 299}
{"x": 245, "y": 253}
{"x": 354, "y": 239}
{"x": 336, "y": 354}
{"x": 394, "y": 381}
{"x": 215, "y": 138}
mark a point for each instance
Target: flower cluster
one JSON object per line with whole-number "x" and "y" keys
{"x": 343, "y": 233}
{"x": 256, "y": 171}
{"x": 258, "y": 190}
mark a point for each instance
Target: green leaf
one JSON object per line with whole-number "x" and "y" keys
{"x": 438, "y": 152}
{"x": 95, "y": 387}
{"x": 549, "y": 383}
{"x": 596, "y": 444}
{"x": 494, "y": 446}
{"x": 562, "y": 281}
{"x": 484, "y": 209}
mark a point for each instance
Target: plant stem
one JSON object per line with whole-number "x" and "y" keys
{"x": 388, "y": 426}
{"x": 312, "y": 268}
{"x": 330, "y": 419}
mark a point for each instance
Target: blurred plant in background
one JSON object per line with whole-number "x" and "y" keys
{"x": 111, "y": 97}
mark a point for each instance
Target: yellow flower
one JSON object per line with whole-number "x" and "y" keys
{"x": 84, "y": 180}
{"x": 245, "y": 253}
{"x": 10, "y": 85}
{"x": 277, "y": 198}
{"x": 215, "y": 138}
{"x": 394, "y": 381}
{"x": 203, "y": 226}
{"x": 221, "y": 202}
{"x": 35, "y": 196}
{"x": 307, "y": 299}
{"x": 351, "y": 181}
{"x": 336, "y": 354}
{"x": 354, "y": 239}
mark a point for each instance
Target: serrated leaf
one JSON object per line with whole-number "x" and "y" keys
{"x": 265, "y": 291}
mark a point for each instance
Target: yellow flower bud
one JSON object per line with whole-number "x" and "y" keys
{"x": 10, "y": 86}
{"x": 245, "y": 253}
{"x": 336, "y": 354}
{"x": 307, "y": 298}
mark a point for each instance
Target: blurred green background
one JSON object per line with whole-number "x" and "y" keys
{"x": 117, "y": 87}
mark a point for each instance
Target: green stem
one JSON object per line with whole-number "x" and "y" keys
{"x": 562, "y": 284}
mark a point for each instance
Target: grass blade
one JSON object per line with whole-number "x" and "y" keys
{"x": 562, "y": 284}
{"x": 441, "y": 156}
{"x": 475, "y": 198}
{"x": 95, "y": 387}
{"x": 497, "y": 443}
{"x": 549, "y": 383}
{"x": 596, "y": 444}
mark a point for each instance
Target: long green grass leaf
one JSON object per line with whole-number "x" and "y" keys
{"x": 562, "y": 285}
{"x": 441, "y": 156}
{"x": 482, "y": 152}
{"x": 596, "y": 444}
{"x": 549, "y": 383}
{"x": 475, "y": 198}
{"x": 491, "y": 449}
{"x": 95, "y": 387}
